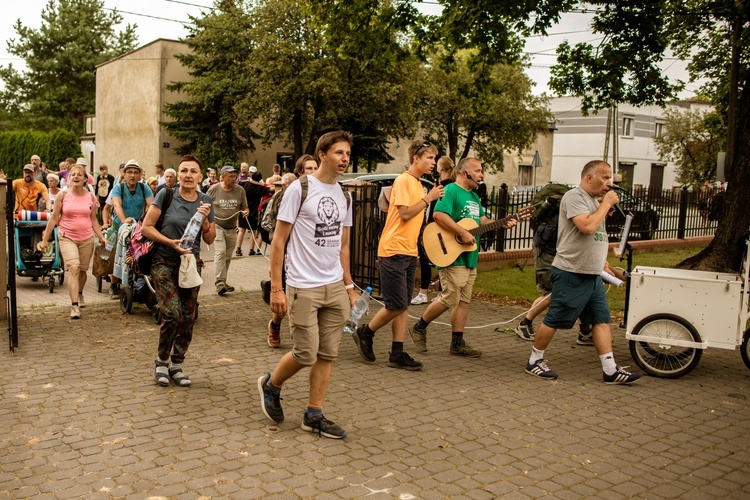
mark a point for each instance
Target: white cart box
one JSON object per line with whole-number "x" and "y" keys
{"x": 710, "y": 301}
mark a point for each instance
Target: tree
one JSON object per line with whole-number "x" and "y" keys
{"x": 692, "y": 139}
{"x": 489, "y": 108}
{"x": 59, "y": 87}
{"x": 624, "y": 68}
{"x": 208, "y": 121}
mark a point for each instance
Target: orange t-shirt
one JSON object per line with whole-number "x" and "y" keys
{"x": 400, "y": 237}
{"x": 27, "y": 196}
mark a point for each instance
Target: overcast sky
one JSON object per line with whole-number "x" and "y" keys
{"x": 165, "y": 18}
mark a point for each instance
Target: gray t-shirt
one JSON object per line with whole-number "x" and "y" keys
{"x": 177, "y": 217}
{"x": 578, "y": 252}
{"x": 227, "y": 204}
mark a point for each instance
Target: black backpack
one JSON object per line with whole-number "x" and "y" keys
{"x": 546, "y": 203}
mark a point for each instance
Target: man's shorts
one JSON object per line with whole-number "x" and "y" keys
{"x": 249, "y": 222}
{"x": 542, "y": 266}
{"x": 576, "y": 296}
{"x": 397, "y": 275}
{"x": 316, "y": 321}
{"x": 457, "y": 283}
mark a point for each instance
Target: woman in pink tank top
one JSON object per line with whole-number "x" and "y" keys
{"x": 75, "y": 213}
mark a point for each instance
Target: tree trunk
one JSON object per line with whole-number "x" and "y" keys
{"x": 735, "y": 216}
{"x": 469, "y": 142}
{"x": 452, "y": 132}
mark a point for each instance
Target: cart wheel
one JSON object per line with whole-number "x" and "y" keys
{"x": 99, "y": 284}
{"x": 61, "y": 277}
{"x": 663, "y": 360}
{"x": 156, "y": 314}
{"x": 51, "y": 284}
{"x": 746, "y": 348}
{"x": 126, "y": 299}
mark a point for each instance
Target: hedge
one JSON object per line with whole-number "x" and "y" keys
{"x": 17, "y": 147}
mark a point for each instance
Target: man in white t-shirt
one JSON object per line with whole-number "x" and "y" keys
{"x": 318, "y": 281}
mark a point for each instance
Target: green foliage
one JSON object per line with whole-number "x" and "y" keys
{"x": 17, "y": 147}
{"x": 59, "y": 87}
{"x": 692, "y": 139}
{"x": 489, "y": 107}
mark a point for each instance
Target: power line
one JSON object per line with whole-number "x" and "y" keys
{"x": 147, "y": 15}
{"x": 191, "y": 4}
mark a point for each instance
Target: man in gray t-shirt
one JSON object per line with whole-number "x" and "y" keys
{"x": 229, "y": 201}
{"x": 577, "y": 288}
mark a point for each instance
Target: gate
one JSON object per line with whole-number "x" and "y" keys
{"x": 365, "y": 233}
{"x": 7, "y": 253}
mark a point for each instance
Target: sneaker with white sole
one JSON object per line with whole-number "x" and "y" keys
{"x": 419, "y": 299}
{"x": 323, "y": 427}
{"x": 526, "y": 332}
{"x": 621, "y": 377}
{"x": 541, "y": 370}
{"x": 270, "y": 400}
{"x": 587, "y": 340}
{"x": 81, "y": 303}
{"x": 75, "y": 313}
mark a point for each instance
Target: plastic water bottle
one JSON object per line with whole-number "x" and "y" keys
{"x": 191, "y": 231}
{"x": 359, "y": 309}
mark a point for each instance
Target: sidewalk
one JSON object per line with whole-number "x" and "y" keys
{"x": 82, "y": 417}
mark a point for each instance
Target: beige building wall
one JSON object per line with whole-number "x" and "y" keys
{"x": 130, "y": 96}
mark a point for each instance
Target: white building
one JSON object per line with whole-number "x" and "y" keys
{"x": 582, "y": 138}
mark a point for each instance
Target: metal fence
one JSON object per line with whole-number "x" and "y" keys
{"x": 659, "y": 214}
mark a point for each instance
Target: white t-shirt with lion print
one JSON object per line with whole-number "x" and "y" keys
{"x": 314, "y": 251}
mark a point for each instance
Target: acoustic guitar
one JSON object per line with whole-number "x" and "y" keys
{"x": 442, "y": 246}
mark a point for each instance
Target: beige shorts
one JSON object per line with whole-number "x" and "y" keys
{"x": 76, "y": 253}
{"x": 457, "y": 283}
{"x": 316, "y": 320}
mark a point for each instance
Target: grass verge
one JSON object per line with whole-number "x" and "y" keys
{"x": 512, "y": 287}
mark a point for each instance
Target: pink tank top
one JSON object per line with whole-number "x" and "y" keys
{"x": 75, "y": 222}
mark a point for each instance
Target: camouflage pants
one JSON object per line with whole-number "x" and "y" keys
{"x": 178, "y": 307}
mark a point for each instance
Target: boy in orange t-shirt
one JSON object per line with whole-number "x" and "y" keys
{"x": 398, "y": 256}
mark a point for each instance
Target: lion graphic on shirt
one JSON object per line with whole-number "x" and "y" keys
{"x": 329, "y": 226}
{"x": 328, "y": 211}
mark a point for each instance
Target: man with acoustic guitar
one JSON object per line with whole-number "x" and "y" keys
{"x": 451, "y": 232}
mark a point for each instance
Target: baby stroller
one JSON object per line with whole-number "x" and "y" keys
{"x": 134, "y": 285}
{"x": 30, "y": 261}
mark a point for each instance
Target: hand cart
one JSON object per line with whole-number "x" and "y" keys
{"x": 672, "y": 315}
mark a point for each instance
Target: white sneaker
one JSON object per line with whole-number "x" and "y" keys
{"x": 419, "y": 299}
{"x": 81, "y": 303}
{"x": 75, "y": 313}
{"x": 437, "y": 297}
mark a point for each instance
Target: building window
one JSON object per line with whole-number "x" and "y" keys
{"x": 627, "y": 126}
{"x": 658, "y": 129}
{"x": 90, "y": 124}
{"x": 525, "y": 173}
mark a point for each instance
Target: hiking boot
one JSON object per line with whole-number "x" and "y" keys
{"x": 75, "y": 313}
{"x": 419, "y": 299}
{"x": 418, "y": 337}
{"x": 364, "y": 344}
{"x": 526, "y": 332}
{"x": 404, "y": 361}
{"x": 221, "y": 289}
{"x": 274, "y": 335}
{"x": 541, "y": 370}
{"x": 621, "y": 377}
{"x": 465, "y": 350}
{"x": 265, "y": 286}
{"x": 323, "y": 427}
{"x": 270, "y": 400}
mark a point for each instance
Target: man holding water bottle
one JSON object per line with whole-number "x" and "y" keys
{"x": 319, "y": 291}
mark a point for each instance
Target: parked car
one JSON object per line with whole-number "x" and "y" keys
{"x": 645, "y": 217}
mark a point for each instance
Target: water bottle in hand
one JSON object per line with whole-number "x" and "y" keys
{"x": 359, "y": 309}
{"x": 191, "y": 231}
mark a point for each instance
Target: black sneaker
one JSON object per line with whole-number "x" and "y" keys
{"x": 364, "y": 344}
{"x": 621, "y": 377}
{"x": 323, "y": 427}
{"x": 541, "y": 370}
{"x": 270, "y": 402}
{"x": 404, "y": 361}
{"x": 238, "y": 252}
{"x": 585, "y": 339}
{"x": 526, "y": 332}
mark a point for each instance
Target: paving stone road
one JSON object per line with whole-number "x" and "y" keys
{"x": 81, "y": 416}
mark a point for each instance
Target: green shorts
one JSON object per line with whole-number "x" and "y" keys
{"x": 542, "y": 266}
{"x": 576, "y": 296}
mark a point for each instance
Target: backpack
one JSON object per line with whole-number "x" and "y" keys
{"x": 271, "y": 210}
{"x": 546, "y": 203}
{"x": 102, "y": 189}
{"x": 141, "y": 249}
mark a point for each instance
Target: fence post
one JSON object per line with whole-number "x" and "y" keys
{"x": 682, "y": 218}
{"x": 502, "y": 210}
